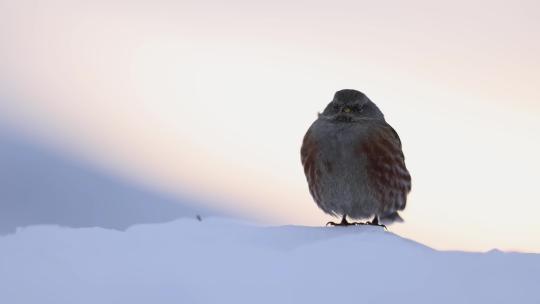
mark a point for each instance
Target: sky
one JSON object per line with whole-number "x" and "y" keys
{"x": 214, "y": 98}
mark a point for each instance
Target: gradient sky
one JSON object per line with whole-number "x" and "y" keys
{"x": 215, "y": 97}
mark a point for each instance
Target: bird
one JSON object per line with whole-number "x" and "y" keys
{"x": 354, "y": 163}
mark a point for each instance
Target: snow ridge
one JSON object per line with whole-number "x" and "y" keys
{"x": 225, "y": 261}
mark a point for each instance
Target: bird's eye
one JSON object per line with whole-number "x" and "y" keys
{"x": 355, "y": 109}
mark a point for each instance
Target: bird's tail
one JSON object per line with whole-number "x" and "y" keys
{"x": 390, "y": 218}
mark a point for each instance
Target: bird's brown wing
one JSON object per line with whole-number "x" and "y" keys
{"x": 387, "y": 174}
{"x": 308, "y": 154}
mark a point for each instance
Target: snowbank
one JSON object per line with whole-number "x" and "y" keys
{"x": 222, "y": 261}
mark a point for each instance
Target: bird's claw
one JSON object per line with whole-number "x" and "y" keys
{"x": 377, "y": 224}
{"x": 338, "y": 224}
{"x": 346, "y": 224}
{"x": 356, "y": 224}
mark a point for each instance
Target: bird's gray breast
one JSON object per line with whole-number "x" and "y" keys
{"x": 342, "y": 187}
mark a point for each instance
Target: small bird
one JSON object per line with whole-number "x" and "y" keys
{"x": 354, "y": 163}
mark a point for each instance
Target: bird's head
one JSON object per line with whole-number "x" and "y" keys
{"x": 351, "y": 105}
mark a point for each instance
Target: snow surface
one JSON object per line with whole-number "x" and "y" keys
{"x": 225, "y": 261}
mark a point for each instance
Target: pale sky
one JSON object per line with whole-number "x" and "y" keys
{"x": 215, "y": 97}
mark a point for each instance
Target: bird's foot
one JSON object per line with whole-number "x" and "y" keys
{"x": 345, "y": 224}
{"x": 376, "y": 223}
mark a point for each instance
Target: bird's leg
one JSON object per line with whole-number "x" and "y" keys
{"x": 345, "y": 223}
{"x": 375, "y": 222}
{"x": 342, "y": 223}
{"x": 344, "y": 220}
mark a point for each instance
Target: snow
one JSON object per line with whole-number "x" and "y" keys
{"x": 220, "y": 260}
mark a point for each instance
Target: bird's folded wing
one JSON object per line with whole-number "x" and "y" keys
{"x": 387, "y": 174}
